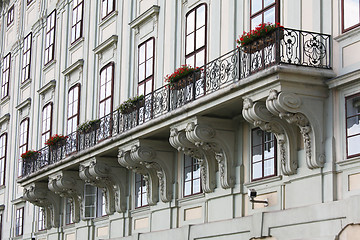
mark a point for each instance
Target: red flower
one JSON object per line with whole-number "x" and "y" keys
{"x": 55, "y": 139}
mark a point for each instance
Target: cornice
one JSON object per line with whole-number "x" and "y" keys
{"x": 23, "y": 104}
{"x": 49, "y": 86}
{"x": 76, "y": 65}
{"x": 154, "y": 10}
{"x": 106, "y": 44}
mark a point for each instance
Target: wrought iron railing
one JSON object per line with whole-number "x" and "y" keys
{"x": 284, "y": 46}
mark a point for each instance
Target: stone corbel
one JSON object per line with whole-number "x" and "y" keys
{"x": 307, "y": 114}
{"x": 68, "y": 184}
{"x": 106, "y": 173}
{"x": 259, "y": 116}
{"x": 207, "y": 162}
{"x": 219, "y": 144}
{"x": 150, "y": 178}
{"x": 38, "y": 194}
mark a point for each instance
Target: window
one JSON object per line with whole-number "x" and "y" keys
{"x": 41, "y": 220}
{"x": 46, "y": 123}
{"x": 94, "y": 202}
{"x": 6, "y": 76}
{"x": 68, "y": 212}
{"x": 77, "y": 20}
{"x": 3, "y": 149}
{"x": 23, "y": 142}
{"x": 263, "y": 150}
{"x": 19, "y": 222}
{"x": 263, "y": 11}
{"x": 73, "y": 108}
{"x": 106, "y": 90}
{"x": 192, "y": 182}
{"x": 146, "y": 67}
{"x": 26, "y": 58}
{"x": 195, "y": 40}
{"x": 108, "y": 6}
{"x": 350, "y": 14}
{"x": 140, "y": 191}
{"x": 10, "y": 15}
{"x": 50, "y": 37}
{"x": 353, "y": 125}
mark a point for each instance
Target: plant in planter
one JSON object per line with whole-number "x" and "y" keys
{"x": 182, "y": 77}
{"x": 132, "y": 104}
{"x": 261, "y": 37}
{"x": 56, "y": 140}
{"x": 30, "y": 154}
{"x": 88, "y": 126}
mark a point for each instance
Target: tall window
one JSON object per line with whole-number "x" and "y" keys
{"x": 353, "y": 125}
{"x": 141, "y": 199}
{"x": 106, "y": 90}
{"x": 108, "y": 6}
{"x": 10, "y": 15}
{"x": 46, "y": 123}
{"x": 195, "y": 40}
{"x": 3, "y": 148}
{"x": 77, "y": 20}
{"x": 68, "y": 212}
{"x": 73, "y": 108}
{"x": 192, "y": 182}
{"x": 350, "y": 14}
{"x": 50, "y": 37}
{"x": 263, "y": 11}
{"x": 94, "y": 202}
{"x": 19, "y": 222}
{"x": 146, "y": 67}
{"x": 6, "y": 76}
{"x": 41, "y": 220}
{"x": 23, "y": 141}
{"x": 26, "y": 58}
{"x": 263, "y": 150}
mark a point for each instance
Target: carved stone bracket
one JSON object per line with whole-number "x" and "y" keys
{"x": 305, "y": 113}
{"x": 38, "y": 194}
{"x": 212, "y": 140}
{"x": 259, "y": 116}
{"x": 154, "y": 160}
{"x": 106, "y": 173}
{"x": 68, "y": 184}
{"x": 207, "y": 162}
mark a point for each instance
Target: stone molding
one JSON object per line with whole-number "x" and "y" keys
{"x": 155, "y": 161}
{"x": 308, "y": 115}
{"x": 68, "y": 184}
{"x": 211, "y": 145}
{"x": 38, "y": 194}
{"x": 259, "y": 116}
{"x": 105, "y": 173}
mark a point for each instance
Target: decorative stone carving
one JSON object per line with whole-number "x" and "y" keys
{"x": 207, "y": 162}
{"x": 38, "y": 194}
{"x": 259, "y": 116}
{"x": 212, "y": 145}
{"x": 68, "y": 184}
{"x": 106, "y": 173}
{"x": 308, "y": 116}
{"x": 154, "y": 160}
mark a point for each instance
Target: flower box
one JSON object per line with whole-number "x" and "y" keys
{"x": 182, "y": 77}
{"x": 56, "y": 140}
{"x": 89, "y": 126}
{"x": 30, "y": 155}
{"x": 132, "y": 104}
{"x": 262, "y": 36}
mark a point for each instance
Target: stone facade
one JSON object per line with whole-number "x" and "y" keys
{"x": 66, "y": 62}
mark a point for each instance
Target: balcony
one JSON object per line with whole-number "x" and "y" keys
{"x": 233, "y": 70}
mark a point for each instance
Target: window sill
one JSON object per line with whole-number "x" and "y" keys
{"x": 107, "y": 18}
{"x": 40, "y": 232}
{"x": 5, "y": 100}
{"x": 8, "y": 27}
{"x": 140, "y": 210}
{"x": 76, "y": 43}
{"x": 348, "y": 34}
{"x": 191, "y": 198}
{"x": 49, "y": 64}
{"x": 25, "y": 83}
{"x": 99, "y": 219}
{"x": 30, "y": 5}
{"x": 2, "y": 187}
{"x": 349, "y": 161}
{"x": 68, "y": 226}
{"x": 262, "y": 181}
